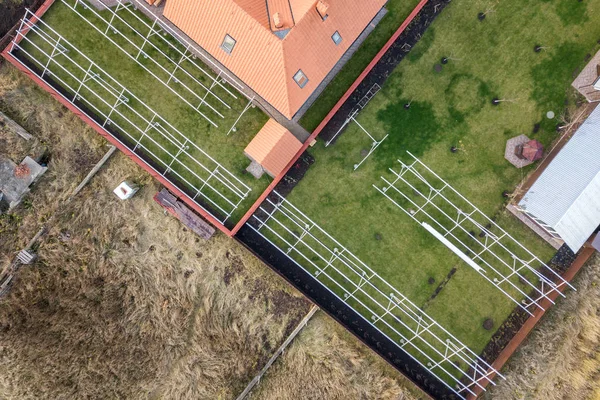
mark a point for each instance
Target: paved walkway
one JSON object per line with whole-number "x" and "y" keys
{"x": 509, "y": 151}
{"x": 103, "y": 4}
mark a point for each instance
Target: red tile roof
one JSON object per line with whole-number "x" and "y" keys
{"x": 265, "y": 61}
{"x": 273, "y": 147}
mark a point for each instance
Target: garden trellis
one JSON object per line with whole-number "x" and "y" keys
{"x": 173, "y": 73}
{"x": 352, "y": 281}
{"x": 454, "y": 220}
{"x": 144, "y": 131}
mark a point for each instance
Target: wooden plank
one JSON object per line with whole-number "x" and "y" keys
{"x": 93, "y": 171}
{"x": 183, "y": 213}
{"x": 279, "y": 351}
{"x": 16, "y": 128}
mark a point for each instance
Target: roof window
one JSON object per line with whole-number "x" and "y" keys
{"x": 337, "y": 38}
{"x": 228, "y": 44}
{"x": 300, "y": 78}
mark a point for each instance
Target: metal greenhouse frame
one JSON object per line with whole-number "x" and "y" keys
{"x": 213, "y": 183}
{"x": 175, "y": 65}
{"x": 352, "y": 281}
{"x": 451, "y": 218}
{"x": 352, "y": 118}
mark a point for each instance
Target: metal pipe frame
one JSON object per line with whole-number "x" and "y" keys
{"x": 122, "y": 5}
{"x": 170, "y": 73}
{"x": 234, "y": 126}
{"x": 235, "y": 188}
{"x": 319, "y": 254}
{"x": 152, "y": 31}
{"x": 374, "y": 145}
{"x": 496, "y": 243}
{"x": 190, "y": 45}
{"x": 346, "y": 122}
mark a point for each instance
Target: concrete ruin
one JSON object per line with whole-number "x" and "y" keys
{"x": 16, "y": 180}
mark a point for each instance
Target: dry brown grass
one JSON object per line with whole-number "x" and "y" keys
{"x": 133, "y": 305}
{"x": 561, "y": 358}
{"x": 125, "y": 303}
{"x": 327, "y": 362}
{"x": 74, "y": 148}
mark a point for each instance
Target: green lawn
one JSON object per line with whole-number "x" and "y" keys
{"x": 493, "y": 58}
{"x": 398, "y": 10}
{"x": 172, "y": 102}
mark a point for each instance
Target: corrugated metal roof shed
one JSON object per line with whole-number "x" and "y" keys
{"x": 273, "y": 147}
{"x": 566, "y": 196}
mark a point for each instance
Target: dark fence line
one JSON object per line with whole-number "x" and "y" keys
{"x": 342, "y": 313}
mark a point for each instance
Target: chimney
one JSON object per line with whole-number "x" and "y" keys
{"x": 322, "y": 8}
{"x": 277, "y": 20}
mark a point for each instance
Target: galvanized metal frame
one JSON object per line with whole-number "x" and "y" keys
{"x": 176, "y": 65}
{"x": 508, "y": 263}
{"x": 235, "y": 190}
{"x": 374, "y": 145}
{"x": 216, "y": 81}
{"x": 226, "y": 76}
{"x": 381, "y": 305}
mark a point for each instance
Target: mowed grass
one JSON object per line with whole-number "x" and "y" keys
{"x": 172, "y": 102}
{"x": 398, "y": 10}
{"x": 493, "y": 58}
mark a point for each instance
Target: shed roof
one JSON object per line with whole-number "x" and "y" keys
{"x": 267, "y": 61}
{"x": 566, "y": 196}
{"x": 273, "y": 147}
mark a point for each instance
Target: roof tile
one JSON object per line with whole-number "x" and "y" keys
{"x": 262, "y": 60}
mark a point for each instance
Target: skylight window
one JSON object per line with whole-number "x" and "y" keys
{"x": 228, "y": 44}
{"x": 300, "y": 78}
{"x": 337, "y": 38}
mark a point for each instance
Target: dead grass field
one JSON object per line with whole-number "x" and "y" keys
{"x": 561, "y": 358}
{"x": 326, "y": 362}
{"x": 125, "y": 303}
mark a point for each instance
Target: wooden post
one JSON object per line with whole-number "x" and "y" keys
{"x": 279, "y": 351}
{"x": 93, "y": 171}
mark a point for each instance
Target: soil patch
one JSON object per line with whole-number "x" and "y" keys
{"x": 440, "y": 286}
{"x": 11, "y": 12}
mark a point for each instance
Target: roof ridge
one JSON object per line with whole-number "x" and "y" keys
{"x": 253, "y": 17}
{"x": 288, "y": 101}
{"x": 577, "y": 198}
